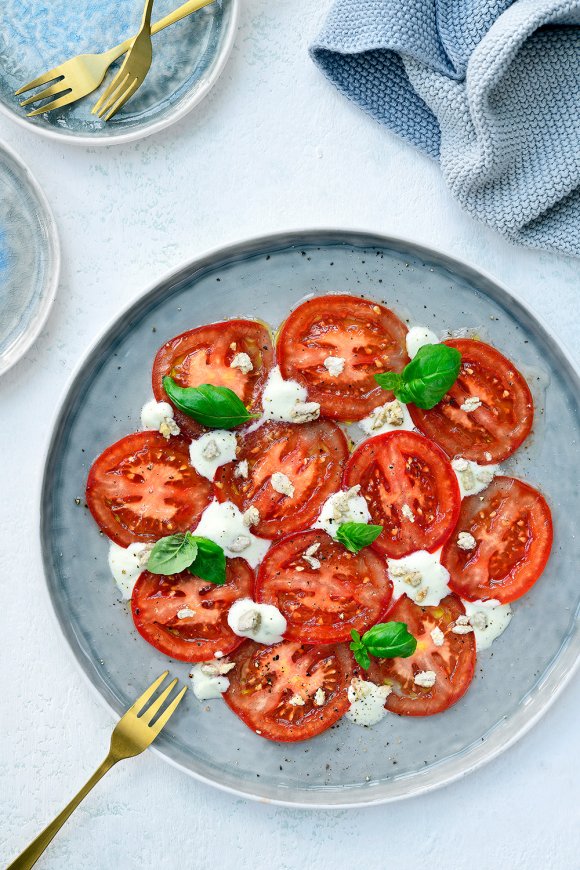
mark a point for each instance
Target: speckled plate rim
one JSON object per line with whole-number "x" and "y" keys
{"x": 180, "y": 110}
{"x": 29, "y": 336}
{"x": 540, "y": 698}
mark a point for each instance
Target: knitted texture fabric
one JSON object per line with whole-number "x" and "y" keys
{"x": 490, "y": 88}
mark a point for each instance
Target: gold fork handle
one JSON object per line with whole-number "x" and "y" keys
{"x": 172, "y": 18}
{"x": 30, "y": 856}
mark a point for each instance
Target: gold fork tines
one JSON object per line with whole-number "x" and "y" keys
{"x": 80, "y": 76}
{"x": 134, "y": 732}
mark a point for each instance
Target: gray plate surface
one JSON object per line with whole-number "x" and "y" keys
{"x": 515, "y": 680}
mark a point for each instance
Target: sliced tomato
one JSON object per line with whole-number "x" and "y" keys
{"x": 323, "y": 603}
{"x": 495, "y": 429}
{"x": 185, "y": 617}
{"x": 311, "y": 455}
{"x": 368, "y": 337}
{"x": 204, "y": 356}
{"x": 512, "y": 526}
{"x": 144, "y": 487}
{"x": 410, "y": 488}
{"x": 453, "y": 663}
{"x": 273, "y": 689}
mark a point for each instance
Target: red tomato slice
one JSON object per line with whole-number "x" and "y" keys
{"x": 143, "y": 488}
{"x": 512, "y": 525}
{"x": 267, "y": 678}
{"x": 411, "y": 491}
{"x": 322, "y": 605}
{"x": 204, "y": 356}
{"x": 498, "y": 427}
{"x": 311, "y": 455}
{"x": 369, "y": 337}
{"x": 453, "y": 663}
{"x": 157, "y": 601}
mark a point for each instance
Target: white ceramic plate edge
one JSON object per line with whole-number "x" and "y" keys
{"x": 141, "y": 132}
{"x": 556, "y": 678}
{"x": 25, "y": 342}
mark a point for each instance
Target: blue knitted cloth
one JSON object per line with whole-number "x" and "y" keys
{"x": 490, "y": 88}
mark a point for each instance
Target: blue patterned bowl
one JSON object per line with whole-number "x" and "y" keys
{"x": 188, "y": 58}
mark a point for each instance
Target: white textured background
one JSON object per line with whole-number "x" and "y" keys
{"x": 273, "y": 147}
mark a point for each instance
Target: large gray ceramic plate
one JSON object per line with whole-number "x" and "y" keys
{"x": 347, "y": 765}
{"x": 188, "y": 58}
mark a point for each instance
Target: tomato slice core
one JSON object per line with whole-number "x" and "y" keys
{"x": 143, "y": 487}
{"x": 453, "y": 663}
{"x": 367, "y": 337}
{"x": 410, "y": 488}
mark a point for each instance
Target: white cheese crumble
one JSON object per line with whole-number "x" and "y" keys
{"x": 489, "y": 619}
{"x": 241, "y": 469}
{"x": 310, "y": 558}
{"x": 473, "y": 478}
{"x": 319, "y": 697}
{"x": 281, "y": 483}
{"x": 420, "y": 576}
{"x": 126, "y": 565}
{"x": 251, "y": 516}
{"x": 286, "y": 400}
{"x": 224, "y": 524}
{"x": 297, "y": 701}
{"x": 425, "y": 679}
{"x": 208, "y": 452}
{"x": 408, "y": 513}
{"x": 472, "y": 403}
{"x": 462, "y": 625}
{"x": 209, "y": 679}
{"x": 390, "y": 417}
{"x": 417, "y": 337}
{"x": 437, "y": 636}
{"x": 367, "y": 702}
{"x": 242, "y": 362}
{"x": 334, "y": 365}
{"x": 262, "y": 623}
{"x": 158, "y": 416}
{"x": 466, "y": 541}
{"x": 342, "y": 507}
{"x": 185, "y": 613}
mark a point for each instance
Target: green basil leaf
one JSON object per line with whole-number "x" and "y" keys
{"x": 389, "y": 640}
{"x": 355, "y": 536}
{"x": 389, "y": 380}
{"x": 426, "y": 379}
{"x": 214, "y": 407}
{"x": 172, "y": 554}
{"x": 361, "y": 655}
{"x": 210, "y": 562}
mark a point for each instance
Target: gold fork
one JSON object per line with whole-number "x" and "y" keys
{"x": 133, "y": 70}
{"x": 82, "y": 75}
{"x": 132, "y": 735}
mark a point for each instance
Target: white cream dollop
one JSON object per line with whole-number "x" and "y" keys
{"x": 287, "y": 400}
{"x": 223, "y": 523}
{"x": 208, "y": 452}
{"x": 417, "y": 337}
{"x": 473, "y": 478}
{"x": 367, "y": 702}
{"x": 342, "y": 507}
{"x": 158, "y": 416}
{"x": 209, "y": 679}
{"x": 420, "y": 576}
{"x": 262, "y": 623}
{"x": 488, "y": 619}
{"x": 127, "y": 564}
{"x": 390, "y": 417}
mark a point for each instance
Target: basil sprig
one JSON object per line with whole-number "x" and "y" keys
{"x": 186, "y": 552}
{"x": 386, "y": 640}
{"x": 426, "y": 379}
{"x": 355, "y": 536}
{"x": 214, "y": 407}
